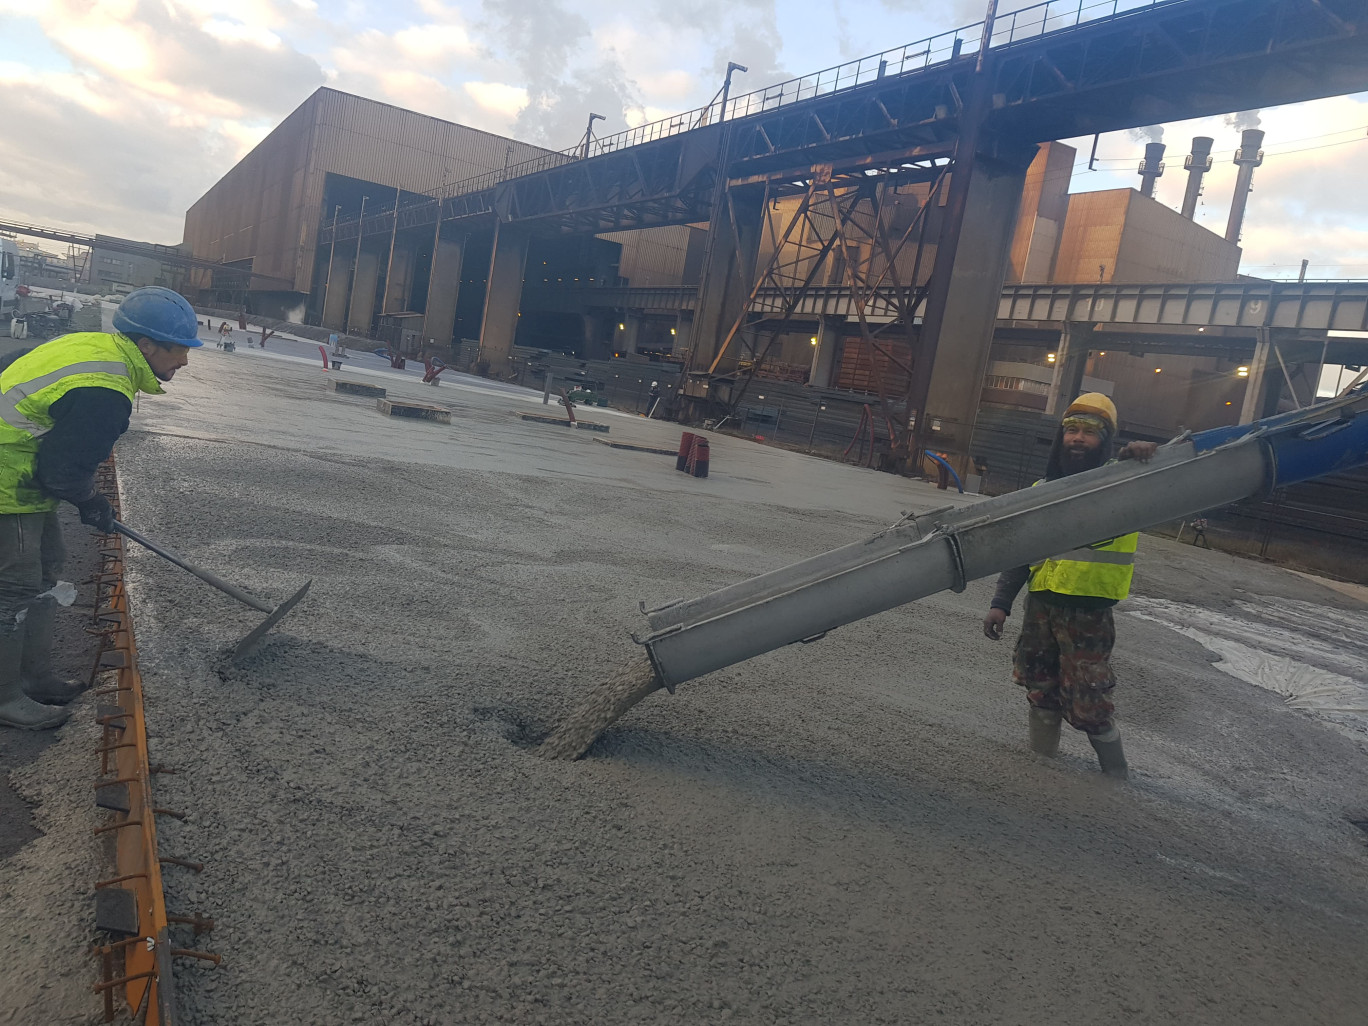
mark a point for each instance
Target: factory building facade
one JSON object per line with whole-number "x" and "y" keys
{"x": 340, "y": 158}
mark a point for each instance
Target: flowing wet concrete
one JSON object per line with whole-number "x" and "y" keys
{"x": 850, "y": 831}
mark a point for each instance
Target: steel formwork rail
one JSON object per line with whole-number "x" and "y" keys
{"x": 124, "y": 783}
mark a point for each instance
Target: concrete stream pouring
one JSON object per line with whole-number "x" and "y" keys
{"x": 845, "y": 832}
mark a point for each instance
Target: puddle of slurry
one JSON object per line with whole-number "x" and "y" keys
{"x": 1270, "y": 648}
{"x": 599, "y": 709}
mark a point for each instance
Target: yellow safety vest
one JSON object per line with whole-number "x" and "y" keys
{"x": 32, "y": 383}
{"x": 1100, "y": 570}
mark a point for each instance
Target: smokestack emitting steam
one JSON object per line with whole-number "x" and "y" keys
{"x": 1197, "y": 163}
{"x": 1247, "y": 158}
{"x": 1151, "y": 167}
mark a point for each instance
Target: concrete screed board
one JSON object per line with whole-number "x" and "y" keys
{"x": 844, "y": 832}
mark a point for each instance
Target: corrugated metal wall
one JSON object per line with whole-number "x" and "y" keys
{"x": 656, "y": 256}
{"x": 269, "y": 205}
{"x": 1120, "y": 235}
{"x": 253, "y": 211}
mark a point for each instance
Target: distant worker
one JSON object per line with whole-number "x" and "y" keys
{"x": 654, "y": 398}
{"x": 1063, "y": 656}
{"x": 63, "y": 405}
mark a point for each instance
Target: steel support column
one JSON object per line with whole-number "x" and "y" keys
{"x": 499, "y": 326}
{"x": 628, "y": 337}
{"x": 444, "y": 286}
{"x": 362, "y": 307}
{"x": 961, "y": 305}
{"x": 728, "y": 275}
{"x": 399, "y": 277}
{"x": 1071, "y": 360}
{"x": 335, "y": 298}
{"x": 1264, "y": 385}
{"x": 826, "y": 354}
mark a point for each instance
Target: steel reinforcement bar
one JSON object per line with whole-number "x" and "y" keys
{"x": 130, "y": 906}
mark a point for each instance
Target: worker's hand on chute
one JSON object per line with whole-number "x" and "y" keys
{"x": 96, "y": 512}
{"x": 992, "y": 624}
{"x": 1142, "y": 451}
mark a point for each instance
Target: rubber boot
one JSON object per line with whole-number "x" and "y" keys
{"x": 40, "y": 683}
{"x": 1109, "y": 754}
{"x": 1044, "y": 730}
{"x": 16, "y": 708}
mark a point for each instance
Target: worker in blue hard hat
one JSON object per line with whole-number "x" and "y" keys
{"x": 1063, "y": 655}
{"x": 63, "y": 405}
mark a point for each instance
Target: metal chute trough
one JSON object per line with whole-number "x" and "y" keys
{"x": 944, "y": 549}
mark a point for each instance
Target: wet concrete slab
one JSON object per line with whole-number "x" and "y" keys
{"x": 850, "y": 831}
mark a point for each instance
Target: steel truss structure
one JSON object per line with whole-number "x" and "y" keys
{"x": 842, "y": 228}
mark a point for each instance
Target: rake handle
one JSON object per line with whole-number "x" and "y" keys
{"x": 204, "y": 575}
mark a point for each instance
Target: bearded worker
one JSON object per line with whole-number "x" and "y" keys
{"x": 1063, "y": 656}
{"x": 63, "y": 405}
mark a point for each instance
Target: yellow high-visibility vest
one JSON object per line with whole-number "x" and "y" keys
{"x": 1101, "y": 570}
{"x": 31, "y": 384}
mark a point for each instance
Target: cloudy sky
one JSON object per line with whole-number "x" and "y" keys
{"x": 120, "y": 113}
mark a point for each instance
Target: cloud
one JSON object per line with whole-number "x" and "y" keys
{"x": 1307, "y": 199}
{"x": 434, "y": 42}
{"x": 147, "y": 173}
{"x": 1148, "y": 134}
{"x": 505, "y": 100}
{"x": 566, "y": 78}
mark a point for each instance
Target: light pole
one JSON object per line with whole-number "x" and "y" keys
{"x": 356, "y": 264}
{"x": 332, "y": 248}
{"x": 813, "y": 433}
{"x": 589, "y": 133}
{"x": 726, "y": 86}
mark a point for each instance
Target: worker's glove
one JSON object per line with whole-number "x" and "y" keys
{"x": 96, "y": 512}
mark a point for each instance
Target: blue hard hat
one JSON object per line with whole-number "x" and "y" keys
{"x": 159, "y": 314}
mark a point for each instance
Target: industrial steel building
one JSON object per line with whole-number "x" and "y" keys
{"x": 413, "y": 281}
{"x": 339, "y": 158}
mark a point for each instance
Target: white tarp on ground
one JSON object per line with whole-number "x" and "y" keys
{"x": 1294, "y": 648}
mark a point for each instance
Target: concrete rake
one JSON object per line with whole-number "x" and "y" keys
{"x": 247, "y": 645}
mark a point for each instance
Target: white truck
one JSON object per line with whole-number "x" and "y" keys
{"x": 9, "y": 278}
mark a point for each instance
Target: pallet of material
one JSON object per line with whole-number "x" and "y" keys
{"x": 636, "y": 448}
{"x": 357, "y": 388}
{"x": 417, "y": 411}
{"x": 583, "y": 425}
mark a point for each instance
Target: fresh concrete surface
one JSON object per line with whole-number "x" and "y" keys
{"x": 845, "y": 832}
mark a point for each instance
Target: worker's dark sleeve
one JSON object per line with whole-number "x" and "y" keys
{"x": 86, "y": 424}
{"x": 1009, "y": 582}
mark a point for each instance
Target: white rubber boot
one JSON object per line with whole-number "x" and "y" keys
{"x": 40, "y": 682}
{"x": 1109, "y": 754}
{"x": 17, "y": 710}
{"x": 1044, "y": 727}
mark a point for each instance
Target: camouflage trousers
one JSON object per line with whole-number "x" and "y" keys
{"x": 1063, "y": 660}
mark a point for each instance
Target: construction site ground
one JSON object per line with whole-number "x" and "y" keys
{"x": 850, "y": 831}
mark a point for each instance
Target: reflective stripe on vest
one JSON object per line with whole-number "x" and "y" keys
{"x": 1103, "y": 570}
{"x": 11, "y": 397}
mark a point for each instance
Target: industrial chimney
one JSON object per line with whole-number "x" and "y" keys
{"x": 1197, "y": 163}
{"x": 1151, "y": 167}
{"x": 1247, "y": 158}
